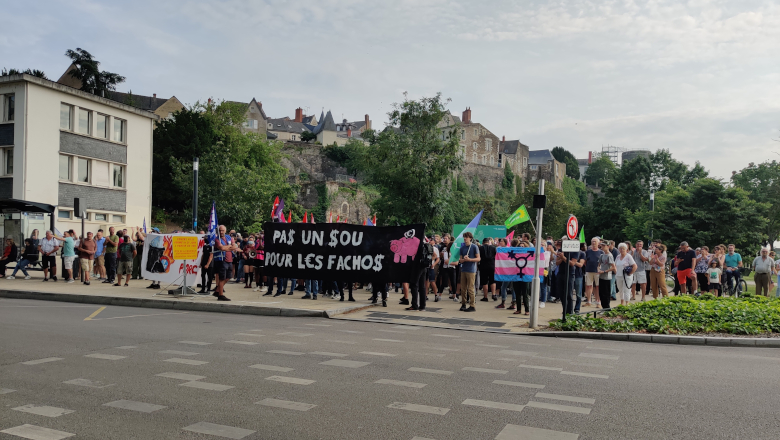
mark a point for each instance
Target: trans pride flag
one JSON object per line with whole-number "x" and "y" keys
{"x": 517, "y": 264}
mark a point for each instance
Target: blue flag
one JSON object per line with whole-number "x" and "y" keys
{"x": 369, "y": 223}
{"x": 144, "y": 225}
{"x": 213, "y": 225}
{"x": 471, "y": 227}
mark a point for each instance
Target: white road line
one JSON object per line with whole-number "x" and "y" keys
{"x": 33, "y": 432}
{"x": 566, "y": 398}
{"x": 293, "y": 353}
{"x": 219, "y": 430}
{"x": 185, "y": 361}
{"x": 518, "y": 353}
{"x": 401, "y": 383}
{"x": 254, "y": 335}
{"x": 286, "y": 342}
{"x": 135, "y": 406}
{"x": 325, "y": 353}
{"x": 181, "y": 376}
{"x": 302, "y": 335}
{"x": 485, "y": 370}
{"x": 373, "y": 353}
{"x": 194, "y": 343}
{"x": 551, "y": 359}
{"x": 42, "y": 361}
{"x": 242, "y": 342}
{"x": 88, "y": 383}
{"x": 441, "y": 355}
{"x": 108, "y": 357}
{"x": 126, "y": 347}
{"x": 515, "y": 432}
{"x": 180, "y": 353}
{"x": 492, "y": 346}
{"x": 445, "y": 336}
{"x": 139, "y": 316}
{"x": 271, "y": 368}
{"x": 539, "y": 367}
{"x": 555, "y": 407}
{"x": 427, "y": 370}
{"x": 286, "y": 404}
{"x": 518, "y": 384}
{"x": 42, "y": 410}
{"x": 349, "y": 331}
{"x": 591, "y": 365}
{"x": 494, "y": 405}
{"x": 293, "y": 380}
{"x": 592, "y": 347}
{"x": 206, "y": 386}
{"x": 387, "y": 340}
{"x": 419, "y": 408}
{"x": 345, "y": 363}
{"x": 599, "y": 356}
{"x": 575, "y": 373}
{"x": 343, "y": 342}
{"x": 6, "y": 390}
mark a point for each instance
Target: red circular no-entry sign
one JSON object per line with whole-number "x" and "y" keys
{"x": 572, "y": 227}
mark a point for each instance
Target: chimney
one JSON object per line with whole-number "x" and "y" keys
{"x": 590, "y": 157}
{"x": 349, "y": 132}
{"x": 154, "y": 95}
{"x": 298, "y": 114}
{"x": 467, "y": 115}
{"x": 503, "y": 138}
{"x": 368, "y": 124}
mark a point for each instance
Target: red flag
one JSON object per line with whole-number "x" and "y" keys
{"x": 289, "y": 217}
{"x": 305, "y": 213}
{"x": 510, "y": 236}
{"x": 330, "y": 217}
{"x": 374, "y": 222}
{"x": 337, "y": 218}
{"x": 276, "y": 203}
{"x": 364, "y": 222}
{"x": 346, "y": 220}
{"x": 312, "y": 218}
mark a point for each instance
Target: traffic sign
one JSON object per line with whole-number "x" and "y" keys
{"x": 570, "y": 246}
{"x": 185, "y": 247}
{"x": 572, "y": 227}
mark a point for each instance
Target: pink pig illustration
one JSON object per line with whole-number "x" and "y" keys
{"x": 405, "y": 247}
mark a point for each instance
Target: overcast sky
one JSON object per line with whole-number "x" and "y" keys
{"x": 700, "y": 78}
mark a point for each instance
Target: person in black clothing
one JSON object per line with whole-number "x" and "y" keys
{"x": 206, "y": 269}
{"x": 10, "y": 252}
{"x": 487, "y": 269}
{"x": 348, "y": 285}
{"x": 565, "y": 279}
{"x": 29, "y": 256}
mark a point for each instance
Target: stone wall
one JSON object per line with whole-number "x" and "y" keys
{"x": 490, "y": 178}
{"x": 302, "y": 157}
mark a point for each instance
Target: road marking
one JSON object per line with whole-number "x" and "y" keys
{"x": 195, "y": 343}
{"x": 555, "y": 407}
{"x": 325, "y": 353}
{"x": 551, "y": 359}
{"x": 271, "y": 368}
{"x": 349, "y": 331}
{"x": 33, "y": 432}
{"x": 599, "y": 356}
{"x": 135, "y": 406}
{"x": 445, "y": 336}
{"x": 591, "y": 365}
{"x": 492, "y": 346}
{"x": 387, "y": 340}
{"x": 206, "y": 386}
{"x": 575, "y": 373}
{"x": 419, "y": 408}
{"x": 494, "y": 405}
{"x": 518, "y": 384}
{"x": 441, "y": 355}
{"x": 42, "y": 361}
{"x": 6, "y": 390}
{"x": 108, "y": 357}
{"x": 374, "y": 353}
{"x": 517, "y": 353}
{"x": 126, "y": 347}
{"x": 427, "y": 370}
{"x": 345, "y": 363}
{"x": 566, "y": 398}
{"x": 401, "y": 383}
{"x": 242, "y": 342}
{"x": 140, "y": 316}
{"x": 186, "y": 361}
{"x": 293, "y": 353}
{"x": 515, "y": 432}
{"x": 181, "y": 376}
{"x": 293, "y": 380}
{"x": 343, "y": 342}
{"x": 46, "y": 411}
{"x": 318, "y": 325}
{"x": 446, "y": 349}
{"x": 180, "y": 353}
{"x": 302, "y": 335}
{"x": 88, "y": 383}
{"x": 286, "y": 404}
{"x": 219, "y": 430}
{"x": 539, "y": 367}
{"x": 591, "y": 347}
{"x": 95, "y": 313}
{"x": 286, "y": 342}
{"x": 254, "y": 335}
{"x": 485, "y": 370}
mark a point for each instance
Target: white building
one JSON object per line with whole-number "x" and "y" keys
{"x": 58, "y": 143}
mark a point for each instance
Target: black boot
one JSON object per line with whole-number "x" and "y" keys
{"x": 374, "y": 299}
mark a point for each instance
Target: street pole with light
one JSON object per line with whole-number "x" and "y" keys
{"x": 652, "y": 208}
{"x": 195, "y": 194}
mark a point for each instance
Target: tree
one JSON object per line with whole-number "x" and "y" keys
{"x": 408, "y": 163}
{"x": 555, "y": 214}
{"x": 575, "y": 191}
{"x": 509, "y": 179}
{"x": 572, "y": 166}
{"x": 599, "y": 171}
{"x": 762, "y": 182}
{"x": 87, "y": 70}
{"x": 34, "y": 72}
{"x": 308, "y": 136}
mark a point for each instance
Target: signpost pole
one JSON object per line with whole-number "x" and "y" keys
{"x": 536, "y": 283}
{"x": 195, "y": 164}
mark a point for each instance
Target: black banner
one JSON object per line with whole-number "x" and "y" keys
{"x": 342, "y": 252}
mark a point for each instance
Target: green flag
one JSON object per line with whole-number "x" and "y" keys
{"x": 519, "y": 216}
{"x": 582, "y": 234}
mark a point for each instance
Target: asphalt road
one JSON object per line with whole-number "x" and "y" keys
{"x": 133, "y": 373}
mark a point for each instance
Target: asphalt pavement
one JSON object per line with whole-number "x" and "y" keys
{"x": 86, "y": 372}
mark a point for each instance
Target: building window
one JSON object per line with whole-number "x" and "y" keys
{"x": 476, "y": 132}
{"x": 100, "y": 217}
{"x": 65, "y": 167}
{"x": 488, "y": 144}
{"x": 119, "y": 130}
{"x": 525, "y": 162}
{"x": 474, "y": 157}
{"x": 533, "y": 167}
{"x": 475, "y": 145}
{"x": 85, "y": 121}
{"x": 10, "y": 107}
{"x": 463, "y": 135}
{"x": 66, "y": 120}
{"x": 83, "y": 170}
{"x": 292, "y": 137}
{"x": 64, "y": 214}
{"x": 119, "y": 176}
{"x": 484, "y": 160}
{"x": 492, "y": 160}
{"x": 102, "y": 126}
{"x": 118, "y": 218}
{"x": 8, "y": 158}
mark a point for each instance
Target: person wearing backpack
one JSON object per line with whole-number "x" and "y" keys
{"x": 487, "y": 270}
{"x": 417, "y": 283}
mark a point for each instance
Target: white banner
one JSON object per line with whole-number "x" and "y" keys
{"x": 158, "y": 264}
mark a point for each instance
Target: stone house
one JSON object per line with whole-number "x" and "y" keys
{"x": 478, "y": 144}
{"x": 542, "y": 165}
{"x": 515, "y": 155}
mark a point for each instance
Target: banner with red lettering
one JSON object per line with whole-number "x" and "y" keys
{"x": 158, "y": 264}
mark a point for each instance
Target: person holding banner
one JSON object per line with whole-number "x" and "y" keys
{"x": 223, "y": 256}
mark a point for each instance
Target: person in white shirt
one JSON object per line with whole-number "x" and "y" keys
{"x": 626, "y": 267}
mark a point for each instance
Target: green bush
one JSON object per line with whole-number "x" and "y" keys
{"x": 748, "y": 315}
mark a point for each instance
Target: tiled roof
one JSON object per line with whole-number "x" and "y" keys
{"x": 148, "y": 103}
{"x": 540, "y": 157}
{"x": 287, "y": 125}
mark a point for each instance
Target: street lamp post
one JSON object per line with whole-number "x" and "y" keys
{"x": 195, "y": 163}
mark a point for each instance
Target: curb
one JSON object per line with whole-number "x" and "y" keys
{"x": 667, "y": 339}
{"x": 172, "y": 304}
